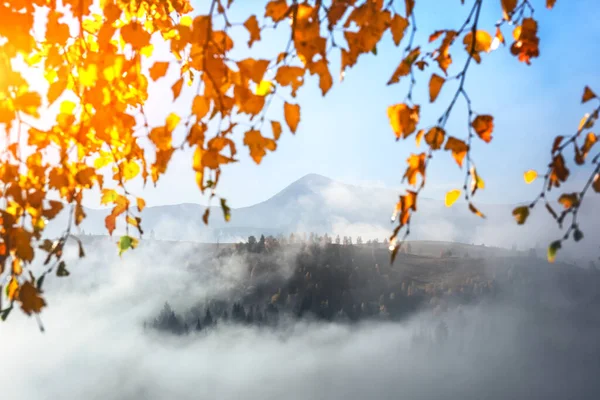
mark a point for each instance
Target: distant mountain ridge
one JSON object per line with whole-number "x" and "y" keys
{"x": 315, "y": 203}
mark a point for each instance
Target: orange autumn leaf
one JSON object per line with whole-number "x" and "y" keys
{"x": 419, "y": 137}
{"x": 409, "y": 5}
{"x": 276, "y": 128}
{"x": 596, "y": 183}
{"x": 458, "y": 148}
{"x": 482, "y": 42}
{"x": 258, "y": 145}
{"x": 435, "y": 85}
{"x": 200, "y": 107}
{"x": 251, "y": 25}
{"x": 276, "y": 10}
{"x": 290, "y": 76}
{"x": 141, "y": 204}
{"x": 325, "y": 79}
{"x": 176, "y": 88}
{"x": 484, "y": 126}
{"x": 475, "y": 211}
{"x": 550, "y": 4}
{"x": 398, "y": 25}
{"x": 416, "y": 166}
{"x": 254, "y": 69}
{"x": 405, "y": 66}
{"x": 291, "y": 114}
{"x": 588, "y": 94}
{"x": 435, "y": 137}
{"x": 403, "y": 119}
{"x": 158, "y": 70}
{"x": 30, "y": 299}
{"x": 526, "y": 45}
{"x": 134, "y": 34}
{"x": 508, "y": 7}
{"x": 444, "y": 59}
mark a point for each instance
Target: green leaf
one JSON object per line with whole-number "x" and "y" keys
{"x": 40, "y": 282}
{"x": 226, "y": 210}
{"x": 62, "y": 270}
{"x": 126, "y": 243}
{"x": 552, "y": 249}
{"x": 521, "y": 214}
{"x": 4, "y": 313}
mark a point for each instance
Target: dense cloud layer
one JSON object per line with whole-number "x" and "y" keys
{"x": 95, "y": 348}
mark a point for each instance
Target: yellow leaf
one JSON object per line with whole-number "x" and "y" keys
{"x": 588, "y": 94}
{"x": 12, "y": 289}
{"x": 158, "y": 70}
{"x": 435, "y": 85}
{"x": 108, "y": 196}
{"x": 172, "y": 121}
{"x": 451, "y": 197}
{"x": 17, "y": 268}
{"x": 530, "y": 176}
{"x": 291, "y": 113}
{"x": 251, "y": 25}
{"x": 264, "y": 88}
{"x": 130, "y": 169}
{"x": 484, "y": 126}
{"x": 67, "y": 107}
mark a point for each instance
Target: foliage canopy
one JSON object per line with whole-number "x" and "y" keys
{"x": 87, "y": 127}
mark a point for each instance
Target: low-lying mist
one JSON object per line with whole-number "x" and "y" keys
{"x": 514, "y": 346}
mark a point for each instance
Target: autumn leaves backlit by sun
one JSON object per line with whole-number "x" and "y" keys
{"x": 89, "y": 128}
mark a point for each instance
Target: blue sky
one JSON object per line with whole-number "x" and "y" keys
{"x": 346, "y": 135}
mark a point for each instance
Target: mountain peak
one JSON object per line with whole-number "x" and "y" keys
{"x": 314, "y": 179}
